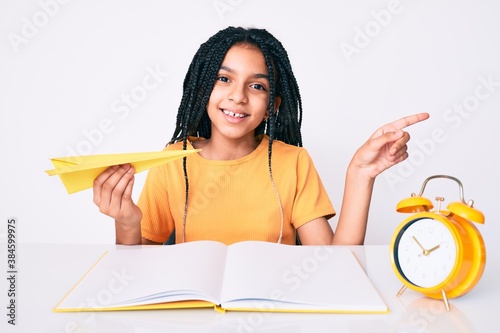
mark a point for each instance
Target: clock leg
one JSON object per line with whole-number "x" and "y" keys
{"x": 445, "y": 300}
{"x": 401, "y": 291}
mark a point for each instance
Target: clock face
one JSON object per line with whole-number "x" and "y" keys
{"x": 425, "y": 252}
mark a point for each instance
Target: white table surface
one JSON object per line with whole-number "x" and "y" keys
{"x": 47, "y": 272}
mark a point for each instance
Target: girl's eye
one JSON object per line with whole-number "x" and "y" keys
{"x": 258, "y": 86}
{"x": 222, "y": 79}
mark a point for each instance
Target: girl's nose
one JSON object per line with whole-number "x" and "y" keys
{"x": 238, "y": 94}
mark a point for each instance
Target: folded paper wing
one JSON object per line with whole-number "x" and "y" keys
{"x": 77, "y": 173}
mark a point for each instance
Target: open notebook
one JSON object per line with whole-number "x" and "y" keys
{"x": 245, "y": 276}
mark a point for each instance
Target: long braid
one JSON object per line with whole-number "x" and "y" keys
{"x": 273, "y": 117}
{"x": 283, "y": 124}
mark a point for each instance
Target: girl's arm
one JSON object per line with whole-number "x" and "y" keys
{"x": 385, "y": 148}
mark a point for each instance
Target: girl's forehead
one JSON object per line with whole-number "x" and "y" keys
{"x": 245, "y": 53}
{"x": 246, "y": 48}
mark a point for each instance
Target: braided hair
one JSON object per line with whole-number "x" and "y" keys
{"x": 192, "y": 117}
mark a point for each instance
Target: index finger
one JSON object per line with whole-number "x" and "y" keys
{"x": 410, "y": 120}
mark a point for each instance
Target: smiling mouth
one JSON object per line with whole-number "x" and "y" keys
{"x": 234, "y": 115}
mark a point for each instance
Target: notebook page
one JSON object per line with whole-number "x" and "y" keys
{"x": 150, "y": 275}
{"x": 283, "y": 277}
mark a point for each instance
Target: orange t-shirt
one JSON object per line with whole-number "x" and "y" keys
{"x": 232, "y": 201}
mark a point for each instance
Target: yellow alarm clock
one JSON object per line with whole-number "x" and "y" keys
{"x": 438, "y": 253}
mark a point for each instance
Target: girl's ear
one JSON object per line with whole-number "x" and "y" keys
{"x": 277, "y": 103}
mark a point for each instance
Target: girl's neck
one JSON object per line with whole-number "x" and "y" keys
{"x": 224, "y": 149}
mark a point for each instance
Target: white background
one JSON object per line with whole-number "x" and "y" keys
{"x": 65, "y": 67}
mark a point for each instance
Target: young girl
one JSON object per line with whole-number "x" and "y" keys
{"x": 252, "y": 180}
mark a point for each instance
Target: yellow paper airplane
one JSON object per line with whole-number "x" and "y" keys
{"x": 77, "y": 173}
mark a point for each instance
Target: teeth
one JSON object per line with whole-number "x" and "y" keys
{"x": 232, "y": 114}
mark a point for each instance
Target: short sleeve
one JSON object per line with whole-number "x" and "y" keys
{"x": 157, "y": 222}
{"x": 311, "y": 199}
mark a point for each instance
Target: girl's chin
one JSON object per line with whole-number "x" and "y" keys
{"x": 234, "y": 135}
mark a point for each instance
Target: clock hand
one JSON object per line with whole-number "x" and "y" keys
{"x": 424, "y": 251}
{"x": 427, "y": 252}
{"x": 420, "y": 245}
{"x": 434, "y": 248}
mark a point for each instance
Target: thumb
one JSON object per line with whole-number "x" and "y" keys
{"x": 379, "y": 142}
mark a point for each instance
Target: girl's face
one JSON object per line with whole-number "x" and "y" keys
{"x": 240, "y": 98}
